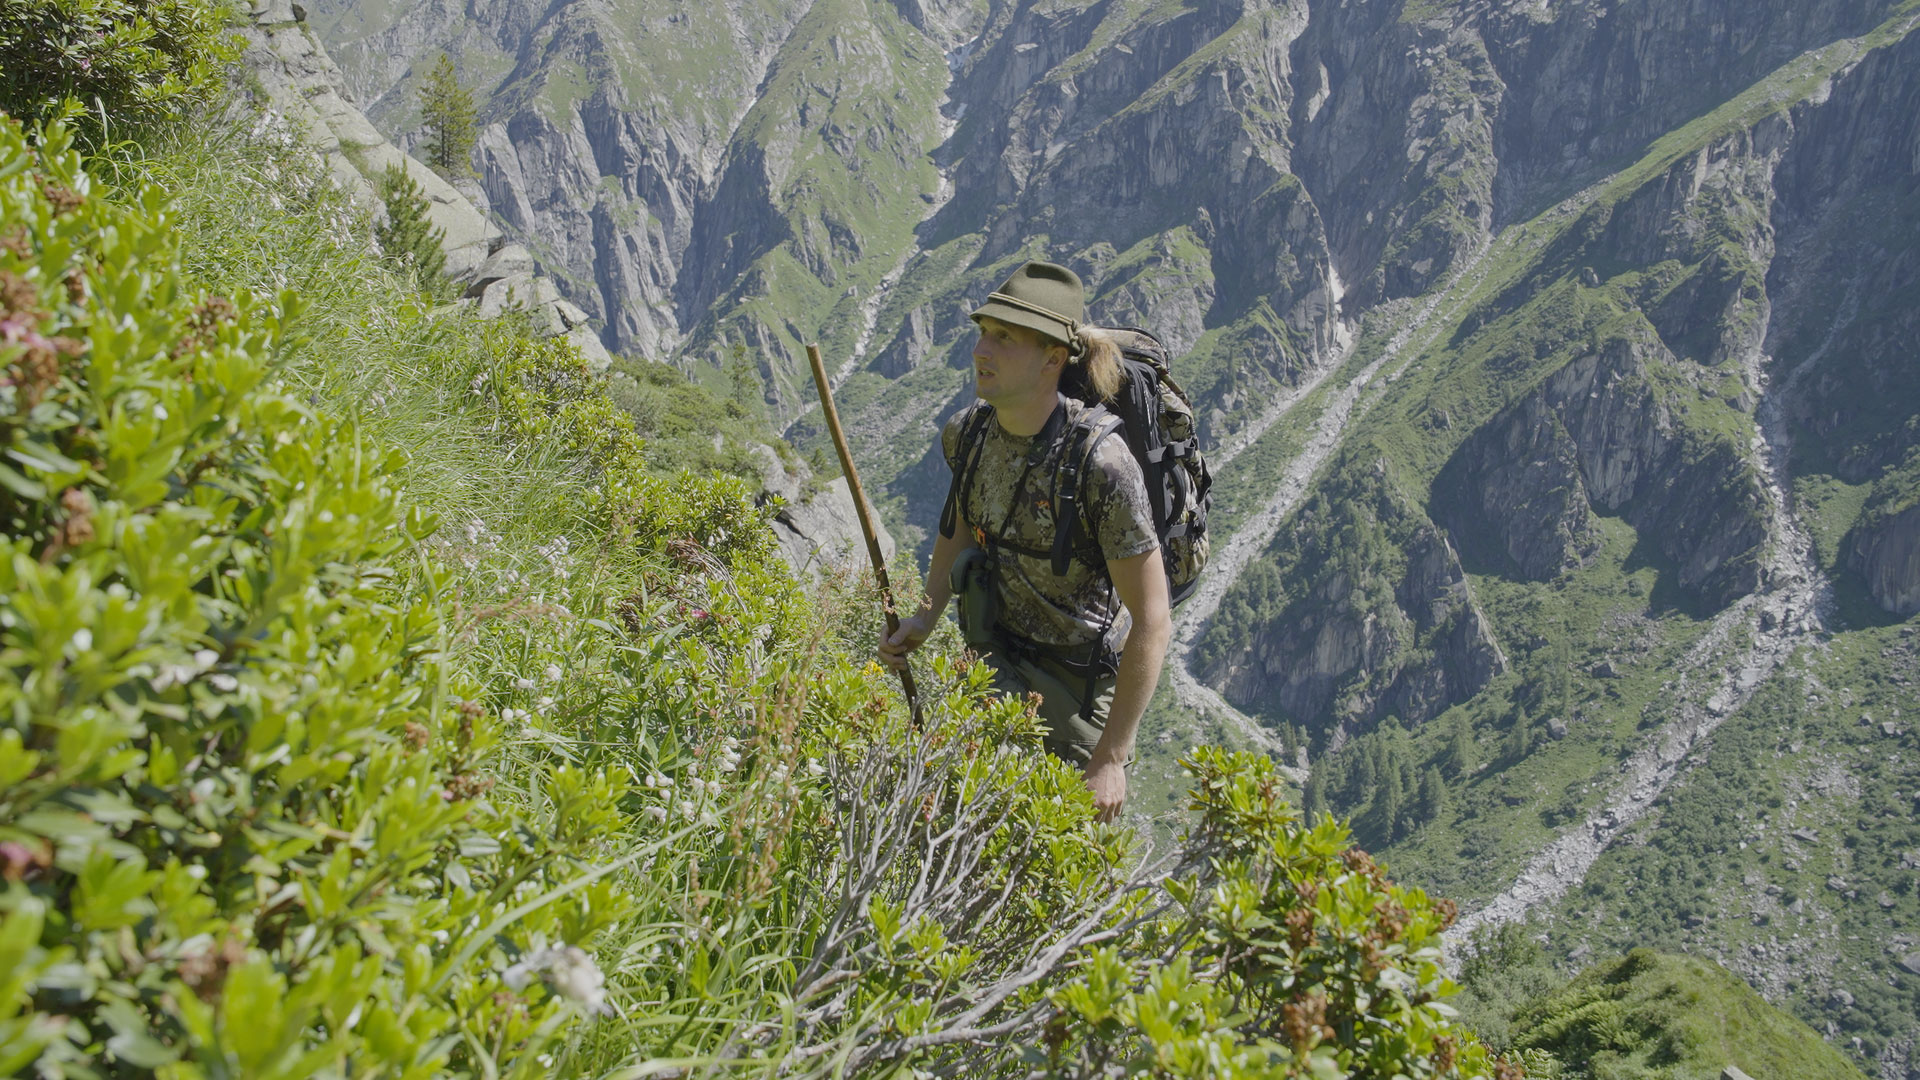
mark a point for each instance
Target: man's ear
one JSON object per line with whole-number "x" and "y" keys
{"x": 1057, "y": 358}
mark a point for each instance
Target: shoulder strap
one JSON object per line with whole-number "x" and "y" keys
{"x": 972, "y": 437}
{"x": 1088, "y": 434}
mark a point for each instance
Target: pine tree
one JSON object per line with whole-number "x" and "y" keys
{"x": 1389, "y": 803}
{"x": 1520, "y": 737}
{"x": 407, "y": 237}
{"x": 1458, "y": 759}
{"x": 447, "y": 111}
{"x": 1313, "y": 801}
{"x": 1431, "y": 801}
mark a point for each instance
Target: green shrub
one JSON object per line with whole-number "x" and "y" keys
{"x": 407, "y": 237}
{"x": 139, "y": 60}
{"x": 1286, "y": 953}
{"x": 237, "y": 778}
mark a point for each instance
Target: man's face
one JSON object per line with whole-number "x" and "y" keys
{"x": 1012, "y": 363}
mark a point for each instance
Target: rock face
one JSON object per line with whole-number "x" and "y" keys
{"x": 1597, "y": 435}
{"x": 1380, "y": 619}
{"x": 1887, "y": 555}
{"x": 820, "y": 533}
{"x": 297, "y": 82}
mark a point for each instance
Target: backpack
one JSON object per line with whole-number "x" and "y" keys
{"x": 1155, "y": 417}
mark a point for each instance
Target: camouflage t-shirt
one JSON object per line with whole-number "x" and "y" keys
{"x": 1069, "y": 610}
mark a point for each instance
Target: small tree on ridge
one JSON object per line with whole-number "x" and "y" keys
{"x": 447, "y": 111}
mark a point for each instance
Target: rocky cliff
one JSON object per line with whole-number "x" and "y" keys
{"x": 294, "y": 83}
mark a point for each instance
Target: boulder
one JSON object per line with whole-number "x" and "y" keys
{"x": 510, "y": 259}
{"x": 591, "y": 349}
{"x": 823, "y": 535}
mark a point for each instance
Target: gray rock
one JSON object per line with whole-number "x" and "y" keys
{"x": 1557, "y": 728}
{"x": 511, "y": 259}
{"x": 1887, "y": 554}
{"x": 592, "y": 350}
{"x": 1732, "y": 1072}
{"x": 570, "y": 313}
{"x": 1911, "y": 963}
{"x": 775, "y": 479}
{"x": 822, "y": 535}
{"x": 1805, "y": 834}
{"x": 1841, "y": 998}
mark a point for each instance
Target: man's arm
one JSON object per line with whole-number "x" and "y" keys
{"x": 1141, "y": 582}
{"x": 915, "y": 627}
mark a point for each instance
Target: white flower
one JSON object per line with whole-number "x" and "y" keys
{"x": 226, "y": 684}
{"x": 544, "y": 704}
{"x": 575, "y": 975}
{"x": 657, "y": 813}
{"x": 82, "y": 639}
{"x": 206, "y": 658}
{"x": 686, "y": 809}
{"x": 814, "y": 768}
{"x": 553, "y": 672}
{"x": 523, "y": 683}
{"x": 655, "y": 780}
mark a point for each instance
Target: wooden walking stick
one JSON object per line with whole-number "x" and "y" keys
{"x": 866, "y": 520}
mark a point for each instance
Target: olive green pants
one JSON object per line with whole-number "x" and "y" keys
{"x": 1062, "y": 694}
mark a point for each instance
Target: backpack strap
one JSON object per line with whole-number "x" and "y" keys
{"x": 1088, "y": 434}
{"x": 972, "y": 440}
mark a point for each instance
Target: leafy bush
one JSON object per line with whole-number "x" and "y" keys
{"x": 237, "y": 779}
{"x": 140, "y": 60}
{"x": 1286, "y": 953}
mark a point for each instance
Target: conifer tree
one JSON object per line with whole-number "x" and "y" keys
{"x": 407, "y": 237}
{"x": 1389, "y": 803}
{"x": 1458, "y": 758}
{"x": 1520, "y": 737}
{"x": 447, "y": 111}
{"x": 1313, "y": 801}
{"x": 1431, "y": 801}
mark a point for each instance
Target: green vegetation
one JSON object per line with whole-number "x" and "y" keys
{"x": 407, "y": 238}
{"x": 447, "y": 112}
{"x": 1648, "y": 1016}
{"x": 1788, "y": 853}
{"x": 377, "y": 702}
{"x": 133, "y": 62}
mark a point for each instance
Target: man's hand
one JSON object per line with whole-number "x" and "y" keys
{"x": 1108, "y": 779}
{"x": 912, "y": 633}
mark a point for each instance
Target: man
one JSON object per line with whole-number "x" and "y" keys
{"x": 1056, "y": 635}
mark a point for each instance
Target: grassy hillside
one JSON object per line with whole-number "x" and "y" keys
{"x": 1653, "y": 1016}
{"x": 376, "y": 702}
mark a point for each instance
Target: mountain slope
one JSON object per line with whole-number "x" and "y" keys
{"x": 1559, "y": 346}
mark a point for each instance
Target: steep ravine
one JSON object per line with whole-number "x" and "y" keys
{"x": 1794, "y": 606}
{"x": 1745, "y": 645}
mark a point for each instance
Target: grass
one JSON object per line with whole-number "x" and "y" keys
{"x": 1648, "y": 1015}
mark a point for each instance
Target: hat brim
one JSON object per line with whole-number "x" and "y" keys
{"x": 1053, "y": 329}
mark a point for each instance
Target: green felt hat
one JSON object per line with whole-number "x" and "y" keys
{"x": 1041, "y": 296}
